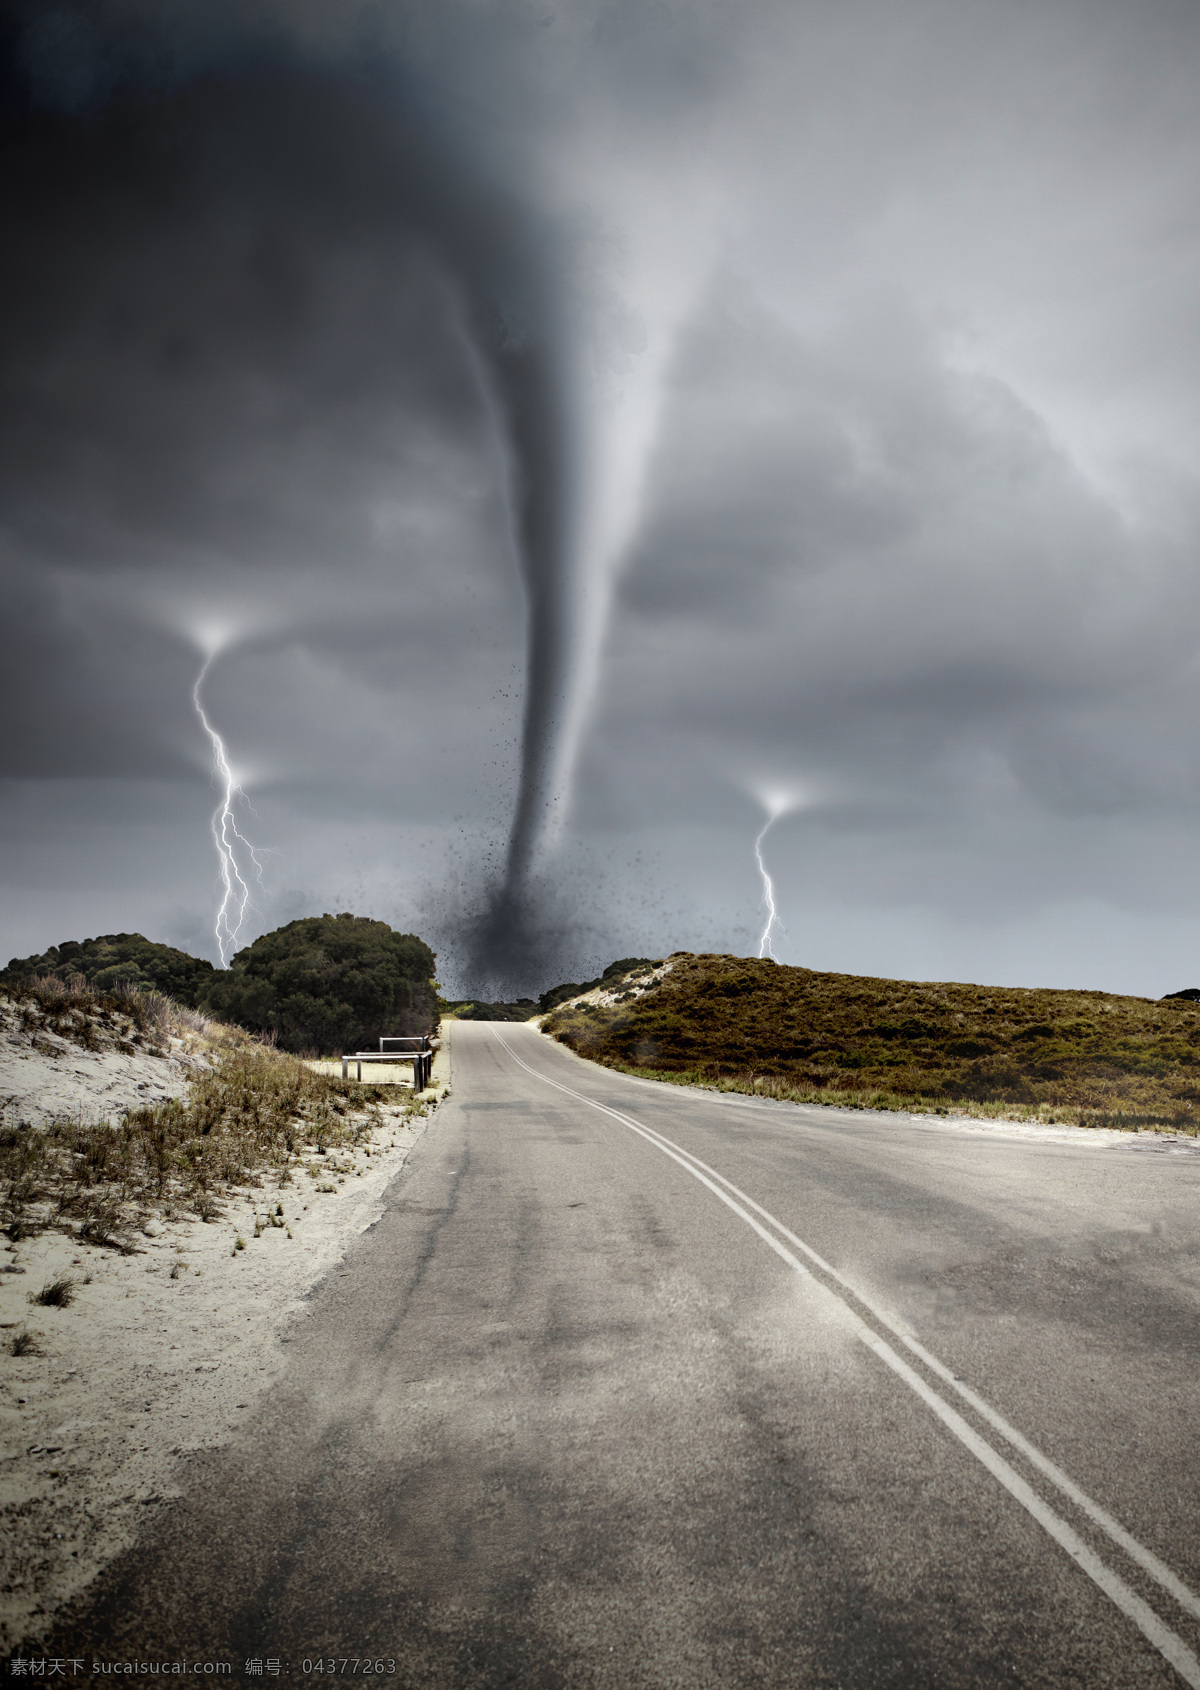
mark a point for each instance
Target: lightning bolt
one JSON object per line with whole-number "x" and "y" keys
{"x": 227, "y": 836}
{"x": 764, "y": 944}
{"x": 776, "y": 800}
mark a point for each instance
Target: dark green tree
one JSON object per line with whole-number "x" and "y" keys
{"x": 329, "y": 983}
{"x": 116, "y": 959}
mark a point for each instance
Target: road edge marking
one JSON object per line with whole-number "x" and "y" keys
{"x": 1137, "y": 1551}
{"x": 1168, "y": 1643}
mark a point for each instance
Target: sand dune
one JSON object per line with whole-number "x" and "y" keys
{"x": 44, "y": 1076}
{"x": 160, "y": 1352}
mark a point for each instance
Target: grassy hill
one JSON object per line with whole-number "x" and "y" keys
{"x": 747, "y": 1025}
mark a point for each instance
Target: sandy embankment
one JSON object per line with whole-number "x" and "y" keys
{"x": 160, "y": 1353}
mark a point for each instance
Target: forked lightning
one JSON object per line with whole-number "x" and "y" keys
{"x": 764, "y": 944}
{"x": 227, "y": 837}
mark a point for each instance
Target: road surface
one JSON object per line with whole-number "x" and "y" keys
{"x": 639, "y": 1386}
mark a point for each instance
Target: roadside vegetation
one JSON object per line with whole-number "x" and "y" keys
{"x": 745, "y": 1025}
{"x": 115, "y": 961}
{"x": 328, "y": 984}
{"x": 525, "y": 1009}
{"x": 124, "y": 1017}
{"x": 616, "y": 971}
{"x": 252, "y": 1114}
{"x": 476, "y": 1009}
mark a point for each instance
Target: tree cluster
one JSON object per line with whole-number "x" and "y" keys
{"x": 328, "y": 984}
{"x": 114, "y": 960}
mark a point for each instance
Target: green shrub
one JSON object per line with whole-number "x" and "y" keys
{"x": 113, "y": 961}
{"x": 572, "y": 989}
{"x": 328, "y": 983}
{"x": 469, "y": 1009}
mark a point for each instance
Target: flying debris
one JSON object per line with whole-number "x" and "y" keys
{"x": 228, "y": 837}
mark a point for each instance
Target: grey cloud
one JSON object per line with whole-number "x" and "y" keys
{"x": 882, "y": 576}
{"x": 292, "y": 335}
{"x": 235, "y": 383}
{"x": 215, "y": 344}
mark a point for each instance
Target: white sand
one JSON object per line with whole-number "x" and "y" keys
{"x": 143, "y": 1367}
{"x": 44, "y": 1076}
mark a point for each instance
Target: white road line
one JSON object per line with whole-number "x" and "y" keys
{"x": 1156, "y": 1631}
{"x": 1145, "y": 1558}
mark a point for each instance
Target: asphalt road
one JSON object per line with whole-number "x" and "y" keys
{"x": 576, "y": 1412}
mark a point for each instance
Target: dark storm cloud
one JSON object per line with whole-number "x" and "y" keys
{"x": 234, "y": 387}
{"x": 232, "y": 286}
{"x": 239, "y": 269}
{"x": 863, "y": 335}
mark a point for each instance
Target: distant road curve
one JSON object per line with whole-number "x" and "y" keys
{"x": 634, "y": 1385}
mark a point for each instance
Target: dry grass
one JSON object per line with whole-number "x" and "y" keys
{"x": 125, "y": 1019}
{"x": 744, "y": 1025}
{"x": 58, "y": 1294}
{"x": 251, "y": 1112}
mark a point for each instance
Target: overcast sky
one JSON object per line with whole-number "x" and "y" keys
{"x": 874, "y": 332}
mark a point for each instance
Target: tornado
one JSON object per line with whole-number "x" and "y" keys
{"x": 565, "y": 277}
{"x": 575, "y": 430}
